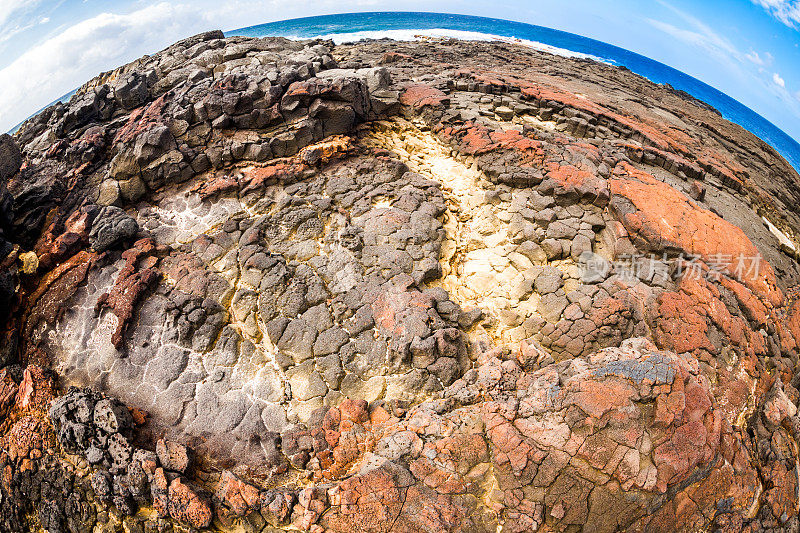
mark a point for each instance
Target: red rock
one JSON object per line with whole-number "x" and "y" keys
{"x": 142, "y": 120}
{"x": 370, "y": 501}
{"x": 354, "y": 410}
{"x": 596, "y": 399}
{"x": 240, "y": 497}
{"x": 174, "y": 456}
{"x": 665, "y": 218}
{"x": 676, "y": 457}
{"x": 131, "y": 284}
{"x": 420, "y": 95}
{"x": 188, "y": 506}
{"x": 160, "y": 492}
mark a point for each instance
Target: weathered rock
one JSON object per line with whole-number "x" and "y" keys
{"x": 174, "y": 456}
{"x": 187, "y": 505}
{"x": 462, "y": 303}
{"x": 10, "y": 157}
{"x": 111, "y": 227}
{"x": 111, "y": 416}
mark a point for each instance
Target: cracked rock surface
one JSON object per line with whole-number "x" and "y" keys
{"x": 264, "y": 285}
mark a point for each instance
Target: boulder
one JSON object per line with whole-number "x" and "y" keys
{"x": 110, "y": 228}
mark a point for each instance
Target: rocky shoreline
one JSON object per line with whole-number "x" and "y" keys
{"x": 264, "y": 285}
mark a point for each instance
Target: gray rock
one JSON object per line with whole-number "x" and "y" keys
{"x": 94, "y": 455}
{"x": 329, "y": 341}
{"x": 298, "y": 339}
{"x": 330, "y": 367}
{"x": 101, "y": 485}
{"x": 111, "y": 227}
{"x": 505, "y": 113}
{"x": 119, "y": 449}
{"x": 131, "y": 92}
{"x": 561, "y": 230}
{"x": 580, "y": 245}
{"x": 446, "y": 369}
{"x": 552, "y": 248}
{"x": 552, "y": 305}
{"x": 548, "y": 281}
{"x": 111, "y": 416}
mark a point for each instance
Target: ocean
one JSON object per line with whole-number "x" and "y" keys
{"x": 404, "y": 26}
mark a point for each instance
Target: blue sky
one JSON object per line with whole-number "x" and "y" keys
{"x": 749, "y": 49}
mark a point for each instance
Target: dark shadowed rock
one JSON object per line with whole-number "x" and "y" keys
{"x": 10, "y": 157}
{"x": 110, "y": 228}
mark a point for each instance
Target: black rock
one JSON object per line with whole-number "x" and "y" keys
{"x": 10, "y": 157}
{"x": 111, "y": 227}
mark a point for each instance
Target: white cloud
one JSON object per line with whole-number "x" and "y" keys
{"x": 778, "y": 80}
{"x": 787, "y": 11}
{"x": 79, "y": 52}
{"x": 762, "y": 60}
{"x": 13, "y": 19}
{"x": 8, "y": 8}
{"x": 698, "y": 33}
{"x": 72, "y": 57}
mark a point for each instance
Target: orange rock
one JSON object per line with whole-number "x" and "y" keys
{"x": 37, "y": 389}
{"x": 8, "y": 392}
{"x": 421, "y": 95}
{"x": 664, "y": 218}
{"x": 241, "y": 497}
{"x": 188, "y": 506}
{"x": 354, "y": 410}
{"x": 378, "y": 416}
{"x": 139, "y": 416}
{"x": 370, "y": 501}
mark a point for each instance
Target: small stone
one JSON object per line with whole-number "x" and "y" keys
{"x": 109, "y": 193}
{"x": 94, "y": 455}
{"x": 111, "y": 416}
{"x": 188, "y": 505}
{"x": 548, "y": 281}
{"x": 30, "y": 263}
{"x": 174, "y": 456}
{"x": 505, "y": 113}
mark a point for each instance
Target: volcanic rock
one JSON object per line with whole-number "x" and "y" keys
{"x": 427, "y": 286}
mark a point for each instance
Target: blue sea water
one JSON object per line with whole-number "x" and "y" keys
{"x": 404, "y": 25}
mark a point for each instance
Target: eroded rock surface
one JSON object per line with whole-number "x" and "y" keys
{"x": 260, "y": 284}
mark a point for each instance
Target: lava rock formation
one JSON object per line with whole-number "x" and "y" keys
{"x": 264, "y": 285}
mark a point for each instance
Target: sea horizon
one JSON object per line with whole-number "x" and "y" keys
{"x": 407, "y": 26}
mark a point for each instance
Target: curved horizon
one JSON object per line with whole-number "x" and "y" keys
{"x": 782, "y": 142}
